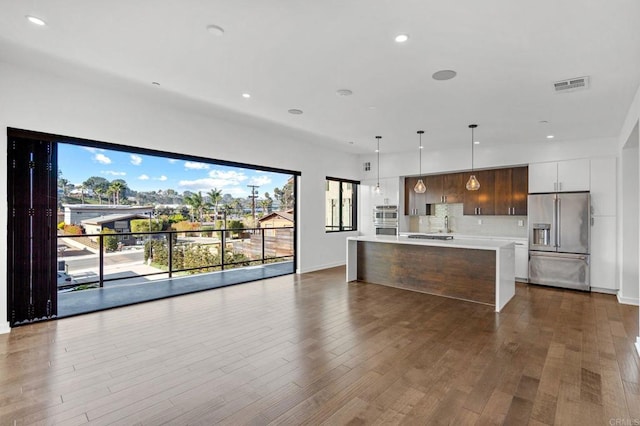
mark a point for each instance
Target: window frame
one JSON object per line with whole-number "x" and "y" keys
{"x": 354, "y": 203}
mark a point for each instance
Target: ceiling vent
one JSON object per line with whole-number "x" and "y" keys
{"x": 571, "y": 85}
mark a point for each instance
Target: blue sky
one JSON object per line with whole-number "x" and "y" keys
{"x": 150, "y": 173}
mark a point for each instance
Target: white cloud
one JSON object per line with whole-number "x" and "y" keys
{"x": 260, "y": 180}
{"x": 231, "y": 177}
{"x": 113, "y": 173}
{"x": 136, "y": 160}
{"x": 224, "y": 180}
{"x": 101, "y": 158}
{"x": 192, "y": 165}
{"x": 143, "y": 177}
{"x": 92, "y": 150}
{"x": 172, "y": 160}
{"x": 161, "y": 178}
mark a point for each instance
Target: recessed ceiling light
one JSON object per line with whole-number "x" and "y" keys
{"x": 401, "y": 38}
{"x": 295, "y": 111}
{"x": 246, "y": 95}
{"x": 36, "y": 20}
{"x": 444, "y": 75}
{"x": 377, "y": 150}
{"x": 215, "y": 30}
{"x": 550, "y": 136}
{"x": 476, "y": 142}
{"x": 344, "y": 92}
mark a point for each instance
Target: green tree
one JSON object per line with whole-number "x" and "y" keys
{"x": 110, "y": 240}
{"x": 98, "y": 185}
{"x": 196, "y": 202}
{"x": 215, "y": 196}
{"x": 285, "y": 195}
{"x": 117, "y": 188}
{"x": 236, "y": 205}
{"x": 142, "y": 225}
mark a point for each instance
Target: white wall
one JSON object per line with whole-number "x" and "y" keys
{"x": 626, "y": 138}
{"x": 111, "y": 110}
{"x": 629, "y": 274}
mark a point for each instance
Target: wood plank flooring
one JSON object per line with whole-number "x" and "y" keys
{"x": 311, "y": 349}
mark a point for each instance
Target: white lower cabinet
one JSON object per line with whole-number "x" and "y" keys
{"x": 603, "y": 253}
{"x": 522, "y": 262}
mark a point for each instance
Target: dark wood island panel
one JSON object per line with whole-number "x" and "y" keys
{"x": 461, "y": 273}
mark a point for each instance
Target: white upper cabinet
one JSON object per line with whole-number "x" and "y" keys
{"x": 573, "y": 175}
{"x": 389, "y": 192}
{"x": 603, "y": 186}
{"x": 543, "y": 177}
{"x": 559, "y": 176}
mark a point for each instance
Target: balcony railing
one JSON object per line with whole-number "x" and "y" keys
{"x": 168, "y": 252}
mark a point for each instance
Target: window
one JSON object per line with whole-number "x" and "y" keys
{"x": 341, "y": 205}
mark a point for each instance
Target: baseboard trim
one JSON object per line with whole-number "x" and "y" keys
{"x": 4, "y": 328}
{"x": 604, "y": 290}
{"x": 321, "y": 267}
{"x": 628, "y": 300}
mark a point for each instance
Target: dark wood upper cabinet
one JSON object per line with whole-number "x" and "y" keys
{"x": 414, "y": 204}
{"x": 520, "y": 190}
{"x": 481, "y": 202}
{"x": 502, "y": 192}
{"x": 511, "y": 188}
{"x": 434, "y": 189}
{"x": 453, "y": 187}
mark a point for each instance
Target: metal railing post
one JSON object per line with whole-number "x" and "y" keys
{"x": 101, "y": 261}
{"x": 223, "y": 243}
{"x": 170, "y": 237}
{"x": 262, "y": 233}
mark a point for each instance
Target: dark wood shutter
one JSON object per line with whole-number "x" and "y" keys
{"x": 32, "y": 245}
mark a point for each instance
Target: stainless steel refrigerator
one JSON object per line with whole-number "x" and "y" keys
{"x": 559, "y": 239}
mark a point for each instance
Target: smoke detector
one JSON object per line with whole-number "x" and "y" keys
{"x": 571, "y": 85}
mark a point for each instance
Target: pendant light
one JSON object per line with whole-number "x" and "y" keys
{"x": 472, "y": 183}
{"x": 378, "y": 190}
{"x": 420, "y": 187}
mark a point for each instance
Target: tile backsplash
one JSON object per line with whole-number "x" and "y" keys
{"x": 508, "y": 226}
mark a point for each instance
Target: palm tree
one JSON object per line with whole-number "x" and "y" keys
{"x": 81, "y": 188}
{"x": 196, "y": 202}
{"x": 265, "y": 205}
{"x": 64, "y": 185}
{"x": 98, "y": 191}
{"x": 215, "y": 195}
{"x": 116, "y": 187}
{"x": 236, "y": 205}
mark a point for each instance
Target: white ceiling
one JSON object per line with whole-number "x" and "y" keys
{"x": 297, "y": 53}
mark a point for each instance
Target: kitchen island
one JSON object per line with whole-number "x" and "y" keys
{"x": 480, "y": 271}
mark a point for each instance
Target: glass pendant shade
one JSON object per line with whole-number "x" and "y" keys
{"x": 420, "y": 187}
{"x": 473, "y": 184}
{"x": 377, "y": 190}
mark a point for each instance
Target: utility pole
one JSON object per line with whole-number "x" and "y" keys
{"x": 253, "y": 197}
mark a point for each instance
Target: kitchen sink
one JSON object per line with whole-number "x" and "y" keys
{"x": 431, "y": 237}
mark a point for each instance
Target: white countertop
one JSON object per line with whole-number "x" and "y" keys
{"x": 456, "y": 242}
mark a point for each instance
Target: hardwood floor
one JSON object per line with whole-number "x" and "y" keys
{"x": 311, "y": 349}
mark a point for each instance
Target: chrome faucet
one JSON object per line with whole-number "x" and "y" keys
{"x": 446, "y": 224}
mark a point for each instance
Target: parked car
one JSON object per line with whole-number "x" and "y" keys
{"x": 65, "y": 280}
